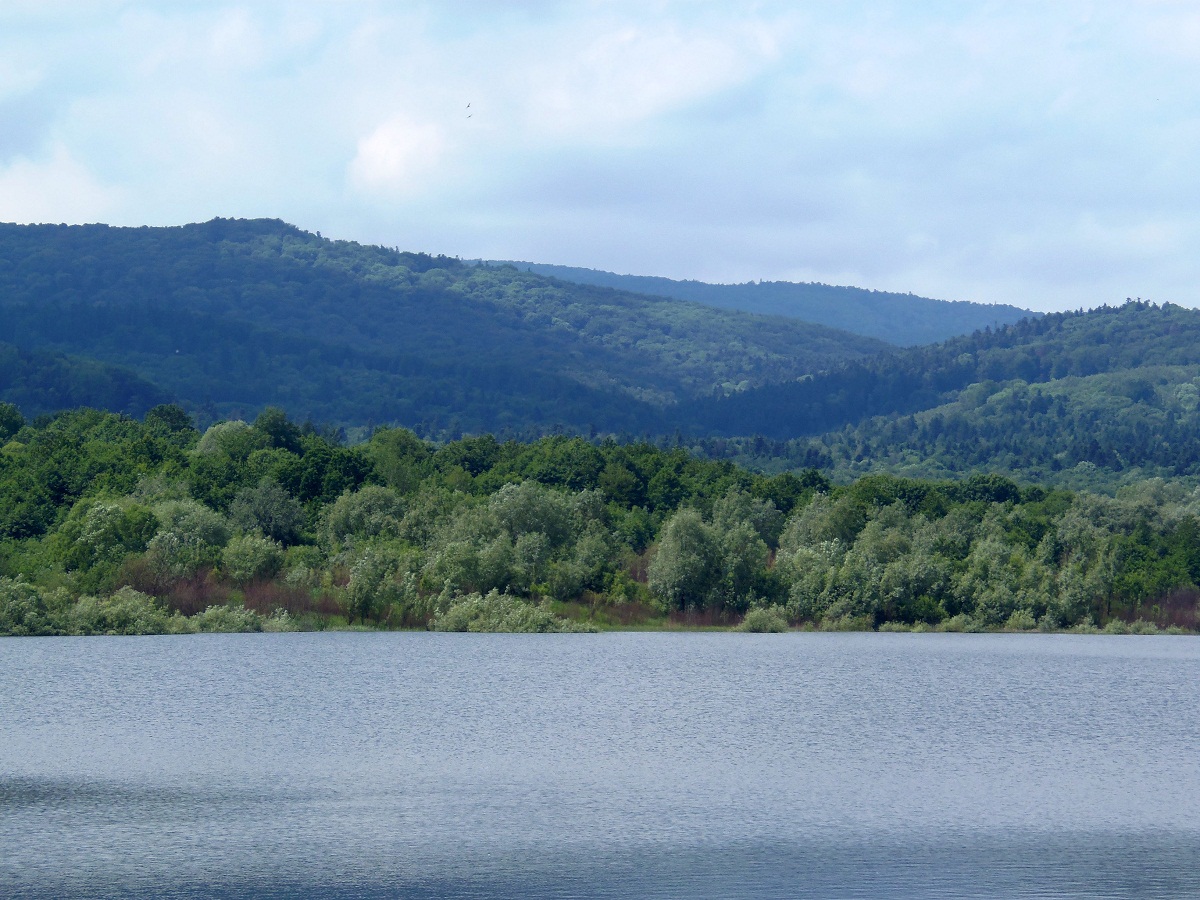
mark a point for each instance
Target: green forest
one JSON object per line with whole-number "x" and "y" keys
{"x": 231, "y": 316}
{"x": 110, "y": 525}
{"x": 1089, "y": 400}
{"x": 905, "y": 320}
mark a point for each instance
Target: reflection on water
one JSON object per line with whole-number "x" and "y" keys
{"x": 658, "y": 765}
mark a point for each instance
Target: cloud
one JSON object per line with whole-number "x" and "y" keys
{"x": 397, "y": 157}
{"x": 55, "y": 189}
{"x": 1030, "y": 154}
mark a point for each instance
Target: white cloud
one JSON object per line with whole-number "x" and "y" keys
{"x": 1010, "y": 152}
{"x": 55, "y": 189}
{"x": 398, "y": 157}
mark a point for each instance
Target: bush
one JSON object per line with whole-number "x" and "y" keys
{"x": 23, "y": 609}
{"x": 125, "y": 612}
{"x": 1022, "y": 620}
{"x": 961, "y": 622}
{"x": 764, "y": 619}
{"x": 230, "y": 619}
{"x": 848, "y": 623}
{"x": 496, "y": 612}
{"x": 251, "y": 556}
{"x": 280, "y": 621}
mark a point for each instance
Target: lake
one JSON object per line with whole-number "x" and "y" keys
{"x": 364, "y": 765}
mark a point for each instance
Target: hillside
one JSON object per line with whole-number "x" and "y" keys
{"x": 902, "y": 319}
{"x": 1085, "y": 400}
{"x": 41, "y": 382}
{"x": 234, "y": 315}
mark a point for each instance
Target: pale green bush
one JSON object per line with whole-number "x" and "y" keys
{"x": 227, "y": 619}
{"x": 1021, "y": 620}
{"x": 496, "y": 612}
{"x": 279, "y": 621}
{"x": 23, "y": 609}
{"x": 764, "y": 619}
{"x": 250, "y": 556}
{"x": 125, "y": 612}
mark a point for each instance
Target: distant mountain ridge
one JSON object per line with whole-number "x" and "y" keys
{"x": 230, "y": 316}
{"x": 902, "y": 319}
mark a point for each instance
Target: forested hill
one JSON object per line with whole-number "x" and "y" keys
{"x": 1089, "y": 399}
{"x": 230, "y": 316}
{"x": 902, "y": 319}
{"x": 39, "y": 382}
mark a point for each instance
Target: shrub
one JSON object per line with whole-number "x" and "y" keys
{"x": 227, "y": 619}
{"x": 23, "y": 609}
{"x": 848, "y": 623}
{"x": 959, "y": 623}
{"x": 1022, "y": 620}
{"x": 279, "y": 621}
{"x": 125, "y": 612}
{"x": 764, "y": 619}
{"x": 251, "y": 556}
{"x": 496, "y": 612}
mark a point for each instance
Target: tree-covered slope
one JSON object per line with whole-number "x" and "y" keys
{"x": 1085, "y": 400}
{"x": 42, "y": 382}
{"x": 1108, "y": 339}
{"x": 902, "y": 319}
{"x": 234, "y": 315}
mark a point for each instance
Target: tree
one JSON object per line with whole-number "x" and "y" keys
{"x": 686, "y": 571}
{"x": 268, "y": 508}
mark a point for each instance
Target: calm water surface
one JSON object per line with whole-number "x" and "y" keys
{"x": 615, "y": 765}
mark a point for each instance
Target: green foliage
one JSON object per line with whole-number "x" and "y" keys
{"x": 125, "y": 612}
{"x": 227, "y": 619}
{"x": 24, "y": 609}
{"x": 115, "y": 526}
{"x": 765, "y": 619}
{"x": 11, "y": 421}
{"x": 44, "y": 381}
{"x": 250, "y": 556}
{"x": 268, "y": 508}
{"x": 372, "y": 511}
{"x": 500, "y": 612}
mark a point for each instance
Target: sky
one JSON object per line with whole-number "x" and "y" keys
{"x": 1041, "y": 154}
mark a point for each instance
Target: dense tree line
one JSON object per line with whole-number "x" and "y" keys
{"x": 111, "y": 525}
